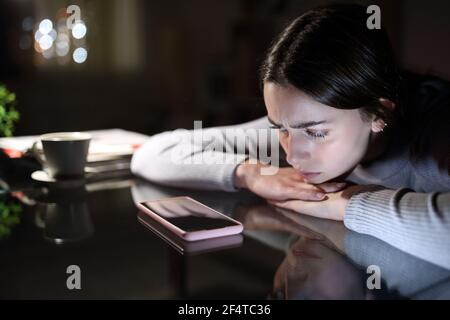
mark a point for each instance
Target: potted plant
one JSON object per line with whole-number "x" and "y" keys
{"x": 10, "y": 211}
{"x": 8, "y": 113}
{"x": 12, "y": 163}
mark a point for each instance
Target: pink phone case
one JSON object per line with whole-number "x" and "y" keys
{"x": 194, "y": 235}
{"x": 188, "y": 247}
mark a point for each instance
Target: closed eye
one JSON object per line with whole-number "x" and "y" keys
{"x": 283, "y": 131}
{"x": 316, "y": 134}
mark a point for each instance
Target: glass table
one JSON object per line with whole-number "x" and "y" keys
{"x": 96, "y": 228}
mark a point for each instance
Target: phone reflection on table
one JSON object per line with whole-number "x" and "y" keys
{"x": 189, "y": 247}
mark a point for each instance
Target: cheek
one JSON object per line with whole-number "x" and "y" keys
{"x": 344, "y": 152}
{"x": 357, "y": 140}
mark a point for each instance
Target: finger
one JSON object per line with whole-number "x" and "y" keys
{"x": 332, "y": 186}
{"x": 304, "y": 194}
{"x": 306, "y": 185}
{"x": 304, "y": 207}
{"x": 297, "y": 228}
{"x": 288, "y": 204}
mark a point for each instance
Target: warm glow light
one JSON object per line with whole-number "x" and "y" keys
{"x": 79, "y": 30}
{"x": 48, "y": 54}
{"x": 37, "y": 48}
{"x": 45, "y": 42}
{"x": 62, "y": 51}
{"x": 53, "y": 34}
{"x": 61, "y": 13}
{"x": 62, "y": 45}
{"x": 45, "y": 26}
{"x": 63, "y": 37}
{"x": 79, "y": 55}
{"x": 37, "y": 35}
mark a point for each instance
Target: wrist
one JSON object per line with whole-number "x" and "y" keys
{"x": 245, "y": 173}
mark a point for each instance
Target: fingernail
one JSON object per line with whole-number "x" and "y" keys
{"x": 319, "y": 195}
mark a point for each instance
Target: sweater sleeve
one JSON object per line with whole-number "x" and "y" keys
{"x": 199, "y": 159}
{"x": 417, "y": 223}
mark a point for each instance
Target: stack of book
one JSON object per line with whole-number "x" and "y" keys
{"x": 110, "y": 150}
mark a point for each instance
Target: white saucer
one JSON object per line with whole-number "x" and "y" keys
{"x": 42, "y": 176}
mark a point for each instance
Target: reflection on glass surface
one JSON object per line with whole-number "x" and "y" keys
{"x": 189, "y": 247}
{"x": 65, "y": 215}
{"x": 313, "y": 269}
{"x": 187, "y": 214}
{"x": 324, "y": 260}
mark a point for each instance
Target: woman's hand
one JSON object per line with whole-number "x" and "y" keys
{"x": 267, "y": 217}
{"x": 333, "y": 207}
{"x": 286, "y": 184}
{"x": 335, "y": 231}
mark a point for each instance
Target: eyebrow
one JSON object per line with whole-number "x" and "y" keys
{"x": 300, "y": 125}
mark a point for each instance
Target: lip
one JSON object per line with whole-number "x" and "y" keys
{"x": 305, "y": 174}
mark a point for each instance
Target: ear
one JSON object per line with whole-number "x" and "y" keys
{"x": 378, "y": 124}
{"x": 388, "y": 104}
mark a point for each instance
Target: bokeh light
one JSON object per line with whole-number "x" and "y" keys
{"x": 45, "y": 42}
{"x": 27, "y": 24}
{"x": 79, "y": 30}
{"x": 62, "y": 45}
{"x": 79, "y": 55}
{"x": 53, "y": 34}
{"x": 55, "y": 40}
{"x": 37, "y": 35}
{"x": 48, "y": 54}
{"x": 45, "y": 26}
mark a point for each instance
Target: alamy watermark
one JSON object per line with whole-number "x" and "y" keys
{"x": 74, "y": 17}
{"x": 374, "y": 20}
{"x": 374, "y": 280}
{"x": 226, "y": 146}
{"x": 74, "y": 280}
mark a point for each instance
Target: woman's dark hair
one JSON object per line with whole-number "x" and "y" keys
{"x": 330, "y": 54}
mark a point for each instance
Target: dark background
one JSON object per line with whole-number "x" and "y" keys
{"x": 159, "y": 65}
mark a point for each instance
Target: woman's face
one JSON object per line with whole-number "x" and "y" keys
{"x": 317, "y": 139}
{"x": 313, "y": 269}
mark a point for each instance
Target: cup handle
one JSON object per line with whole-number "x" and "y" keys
{"x": 37, "y": 155}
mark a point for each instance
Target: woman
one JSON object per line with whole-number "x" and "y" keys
{"x": 343, "y": 113}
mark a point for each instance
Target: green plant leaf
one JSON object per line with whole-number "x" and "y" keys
{"x": 10, "y": 97}
{"x": 8, "y": 114}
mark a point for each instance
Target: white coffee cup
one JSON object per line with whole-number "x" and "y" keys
{"x": 65, "y": 153}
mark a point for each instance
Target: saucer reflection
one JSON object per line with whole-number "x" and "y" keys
{"x": 65, "y": 215}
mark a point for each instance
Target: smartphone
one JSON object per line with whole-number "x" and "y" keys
{"x": 189, "y": 248}
{"x": 190, "y": 219}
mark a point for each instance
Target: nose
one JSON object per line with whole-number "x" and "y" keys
{"x": 296, "y": 152}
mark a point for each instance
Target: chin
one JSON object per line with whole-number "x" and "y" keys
{"x": 317, "y": 180}
{"x": 339, "y": 177}
{"x": 325, "y": 178}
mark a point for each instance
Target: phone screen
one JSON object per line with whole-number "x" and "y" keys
{"x": 188, "y": 215}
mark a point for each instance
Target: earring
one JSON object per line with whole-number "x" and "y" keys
{"x": 384, "y": 126}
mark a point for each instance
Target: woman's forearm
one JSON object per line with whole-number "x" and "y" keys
{"x": 184, "y": 158}
{"x": 417, "y": 223}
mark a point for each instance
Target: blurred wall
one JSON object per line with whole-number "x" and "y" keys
{"x": 158, "y": 65}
